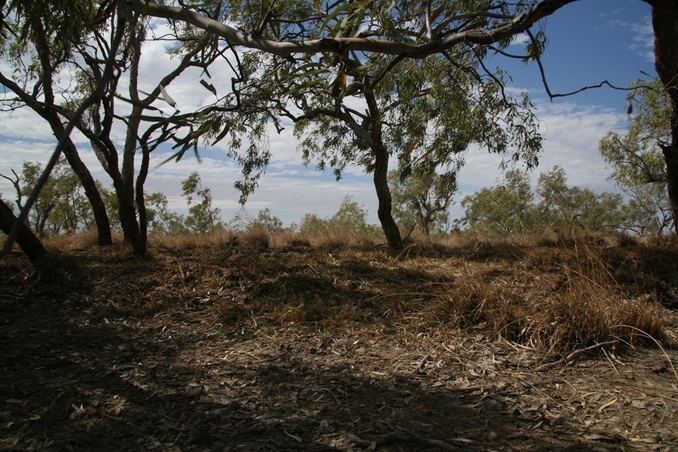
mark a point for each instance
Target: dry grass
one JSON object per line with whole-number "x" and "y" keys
{"x": 552, "y": 296}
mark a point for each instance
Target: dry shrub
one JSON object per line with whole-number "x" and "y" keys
{"x": 288, "y": 239}
{"x": 477, "y": 304}
{"x": 563, "y": 299}
{"x": 591, "y": 307}
{"x": 75, "y": 242}
{"x": 329, "y": 239}
{"x": 255, "y": 237}
{"x": 215, "y": 240}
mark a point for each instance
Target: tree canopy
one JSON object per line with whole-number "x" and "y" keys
{"x": 638, "y": 165}
{"x": 362, "y": 81}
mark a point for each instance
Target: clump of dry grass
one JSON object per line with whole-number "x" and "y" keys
{"x": 255, "y": 237}
{"x": 591, "y": 307}
{"x": 570, "y": 300}
{"x": 79, "y": 241}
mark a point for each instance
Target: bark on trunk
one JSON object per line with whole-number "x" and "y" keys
{"x": 128, "y": 208}
{"x": 29, "y": 243}
{"x": 388, "y": 224}
{"x": 86, "y": 180}
{"x": 665, "y": 24}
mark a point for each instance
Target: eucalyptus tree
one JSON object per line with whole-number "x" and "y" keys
{"x": 664, "y": 20}
{"x": 423, "y": 29}
{"x": 145, "y": 125}
{"x": 503, "y": 209}
{"x": 61, "y": 206}
{"x": 203, "y": 216}
{"x": 76, "y": 44}
{"x": 569, "y": 209}
{"x": 638, "y": 165}
{"x": 38, "y": 50}
{"x": 422, "y": 198}
{"x": 363, "y": 81}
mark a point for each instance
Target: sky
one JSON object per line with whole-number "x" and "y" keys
{"x": 589, "y": 41}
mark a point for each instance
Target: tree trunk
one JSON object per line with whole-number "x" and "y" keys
{"x": 92, "y": 193}
{"x": 126, "y": 197}
{"x": 388, "y": 224}
{"x": 29, "y": 243}
{"x": 665, "y": 24}
{"x": 86, "y": 180}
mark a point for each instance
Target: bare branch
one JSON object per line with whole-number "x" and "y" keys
{"x": 286, "y": 49}
{"x": 553, "y": 95}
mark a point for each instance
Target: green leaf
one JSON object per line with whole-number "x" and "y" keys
{"x": 210, "y": 87}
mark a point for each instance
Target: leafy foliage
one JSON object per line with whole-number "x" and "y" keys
{"x": 267, "y": 221}
{"x": 161, "y": 219}
{"x": 349, "y": 220}
{"x": 203, "y": 217}
{"x": 637, "y": 160}
{"x": 61, "y": 206}
{"x": 422, "y": 199}
{"x": 572, "y": 208}
{"x": 511, "y": 208}
{"x": 358, "y": 108}
{"x": 503, "y": 209}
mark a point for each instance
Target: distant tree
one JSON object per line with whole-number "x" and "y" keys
{"x": 502, "y": 209}
{"x": 572, "y": 208}
{"x": 161, "y": 219}
{"x": 422, "y": 197}
{"x": 61, "y": 206}
{"x": 639, "y": 216}
{"x": 203, "y": 217}
{"x": 637, "y": 159}
{"x": 312, "y": 224}
{"x": 267, "y": 221}
{"x": 351, "y": 218}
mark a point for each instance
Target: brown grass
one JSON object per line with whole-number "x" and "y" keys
{"x": 549, "y": 296}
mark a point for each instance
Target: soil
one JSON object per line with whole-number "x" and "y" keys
{"x": 205, "y": 348}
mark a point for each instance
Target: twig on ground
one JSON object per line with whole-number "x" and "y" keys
{"x": 411, "y": 438}
{"x": 569, "y": 358}
{"x": 422, "y": 363}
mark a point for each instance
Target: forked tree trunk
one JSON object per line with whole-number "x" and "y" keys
{"x": 665, "y": 24}
{"x": 86, "y": 180}
{"x": 101, "y": 220}
{"x": 29, "y": 243}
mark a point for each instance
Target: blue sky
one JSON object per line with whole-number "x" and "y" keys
{"x": 589, "y": 41}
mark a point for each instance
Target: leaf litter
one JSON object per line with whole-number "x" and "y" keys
{"x": 305, "y": 348}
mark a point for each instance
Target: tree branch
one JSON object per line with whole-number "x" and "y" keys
{"x": 88, "y": 102}
{"x": 552, "y": 95}
{"x": 286, "y": 49}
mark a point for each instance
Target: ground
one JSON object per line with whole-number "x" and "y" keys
{"x": 223, "y": 347}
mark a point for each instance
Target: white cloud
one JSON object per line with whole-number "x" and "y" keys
{"x": 520, "y": 39}
{"x": 289, "y": 189}
{"x": 643, "y": 38}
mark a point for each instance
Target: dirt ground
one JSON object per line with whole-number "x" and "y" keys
{"x": 198, "y": 349}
